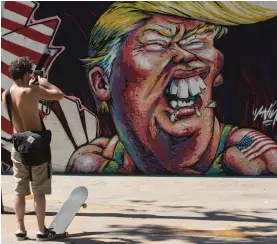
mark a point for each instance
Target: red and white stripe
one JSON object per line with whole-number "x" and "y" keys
{"x": 18, "y": 14}
{"x": 261, "y": 144}
{"x": 22, "y": 35}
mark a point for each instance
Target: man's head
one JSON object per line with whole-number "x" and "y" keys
{"x": 153, "y": 67}
{"x": 21, "y": 69}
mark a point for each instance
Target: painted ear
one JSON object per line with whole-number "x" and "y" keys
{"x": 218, "y": 80}
{"x": 99, "y": 83}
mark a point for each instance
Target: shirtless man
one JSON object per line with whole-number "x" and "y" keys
{"x": 155, "y": 75}
{"x": 25, "y": 114}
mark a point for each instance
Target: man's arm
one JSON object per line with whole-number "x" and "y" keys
{"x": 3, "y": 98}
{"x": 47, "y": 91}
{"x": 251, "y": 153}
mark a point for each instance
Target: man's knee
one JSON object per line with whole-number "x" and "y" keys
{"x": 38, "y": 196}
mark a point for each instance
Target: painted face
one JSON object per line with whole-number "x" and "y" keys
{"x": 160, "y": 86}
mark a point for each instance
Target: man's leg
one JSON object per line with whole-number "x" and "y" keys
{"x": 2, "y": 205}
{"x": 22, "y": 189}
{"x": 40, "y": 206}
{"x": 41, "y": 185}
{"x": 19, "y": 208}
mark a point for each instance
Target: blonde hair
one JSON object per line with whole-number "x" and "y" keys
{"x": 114, "y": 26}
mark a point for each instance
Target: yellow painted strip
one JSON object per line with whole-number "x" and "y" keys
{"x": 215, "y": 233}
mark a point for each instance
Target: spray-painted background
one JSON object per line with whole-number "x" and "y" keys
{"x": 151, "y": 93}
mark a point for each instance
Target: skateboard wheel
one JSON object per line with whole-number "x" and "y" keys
{"x": 84, "y": 205}
{"x": 66, "y": 234}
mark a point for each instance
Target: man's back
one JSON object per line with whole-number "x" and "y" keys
{"x": 24, "y": 109}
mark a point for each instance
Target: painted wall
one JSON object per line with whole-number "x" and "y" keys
{"x": 151, "y": 92}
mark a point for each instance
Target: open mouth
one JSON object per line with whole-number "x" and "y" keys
{"x": 183, "y": 94}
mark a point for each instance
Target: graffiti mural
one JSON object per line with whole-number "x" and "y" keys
{"x": 185, "y": 88}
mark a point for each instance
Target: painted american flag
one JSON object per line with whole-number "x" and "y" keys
{"x": 23, "y": 35}
{"x": 254, "y": 144}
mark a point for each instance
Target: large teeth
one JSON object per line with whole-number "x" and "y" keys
{"x": 172, "y": 118}
{"x": 183, "y": 90}
{"x": 187, "y": 87}
{"x": 198, "y": 113}
{"x": 194, "y": 88}
{"x": 180, "y": 104}
{"x": 201, "y": 83}
{"x": 184, "y": 104}
{"x": 173, "y": 104}
{"x": 173, "y": 88}
{"x": 195, "y": 85}
{"x": 212, "y": 104}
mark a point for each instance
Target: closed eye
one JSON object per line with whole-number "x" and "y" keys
{"x": 193, "y": 45}
{"x": 155, "y": 47}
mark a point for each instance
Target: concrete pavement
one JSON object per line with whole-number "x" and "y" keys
{"x": 170, "y": 210}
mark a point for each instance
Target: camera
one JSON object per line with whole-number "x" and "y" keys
{"x": 38, "y": 73}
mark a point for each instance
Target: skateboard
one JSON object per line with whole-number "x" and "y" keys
{"x": 71, "y": 206}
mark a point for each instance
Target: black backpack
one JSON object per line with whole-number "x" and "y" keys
{"x": 33, "y": 146}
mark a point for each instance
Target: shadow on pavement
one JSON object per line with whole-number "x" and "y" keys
{"x": 246, "y": 233}
{"x": 162, "y": 233}
{"x": 158, "y": 233}
{"x": 206, "y": 215}
{"x": 89, "y": 240}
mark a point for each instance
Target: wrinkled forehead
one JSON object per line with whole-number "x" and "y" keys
{"x": 169, "y": 26}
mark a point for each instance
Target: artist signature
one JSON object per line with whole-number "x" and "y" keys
{"x": 269, "y": 116}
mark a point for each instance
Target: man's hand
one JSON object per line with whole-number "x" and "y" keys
{"x": 43, "y": 82}
{"x": 47, "y": 91}
{"x": 32, "y": 81}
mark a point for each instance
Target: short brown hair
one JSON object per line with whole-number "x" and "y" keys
{"x": 19, "y": 67}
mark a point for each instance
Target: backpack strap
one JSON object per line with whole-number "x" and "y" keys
{"x": 42, "y": 123}
{"x": 9, "y": 103}
{"x": 30, "y": 173}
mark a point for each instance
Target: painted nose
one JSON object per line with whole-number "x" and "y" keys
{"x": 182, "y": 55}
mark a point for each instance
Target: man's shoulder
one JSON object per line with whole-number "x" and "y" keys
{"x": 24, "y": 101}
{"x": 19, "y": 91}
{"x": 26, "y": 94}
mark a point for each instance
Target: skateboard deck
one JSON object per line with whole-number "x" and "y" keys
{"x": 69, "y": 209}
